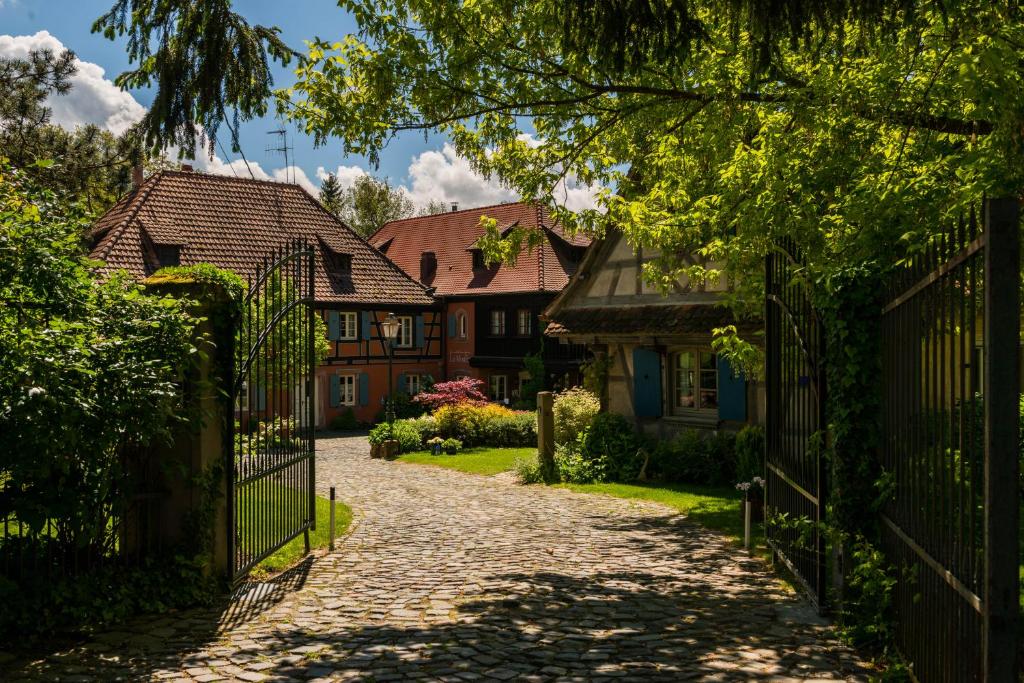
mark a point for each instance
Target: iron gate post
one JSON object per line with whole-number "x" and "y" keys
{"x": 1002, "y": 387}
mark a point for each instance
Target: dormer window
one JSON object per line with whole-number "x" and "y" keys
{"x": 340, "y": 265}
{"x": 478, "y": 259}
{"x": 167, "y": 255}
{"x": 428, "y": 266}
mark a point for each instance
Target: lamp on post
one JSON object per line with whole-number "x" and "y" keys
{"x": 390, "y": 329}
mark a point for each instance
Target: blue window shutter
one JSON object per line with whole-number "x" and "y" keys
{"x": 364, "y": 323}
{"x": 452, "y": 331}
{"x": 419, "y": 331}
{"x": 335, "y": 391}
{"x": 646, "y": 383}
{"x": 400, "y": 385}
{"x": 333, "y": 325}
{"x": 364, "y": 388}
{"x": 261, "y": 398}
{"x": 732, "y": 393}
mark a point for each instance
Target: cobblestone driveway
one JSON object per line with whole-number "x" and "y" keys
{"x": 449, "y": 576}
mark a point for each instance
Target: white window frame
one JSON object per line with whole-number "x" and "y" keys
{"x": 523, "y": 315}
{"x": 493, "y": 383}
{"x": 348, "y": 390}
{"x": 413, "y": 384}
{"x": 348, "y": 326}
{"x": 405, "y": 332}
{"x": 462, "y": 325}
{"x": 695, "y": 385}
{"x": 495, "y": 313}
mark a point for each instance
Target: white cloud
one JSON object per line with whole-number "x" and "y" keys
{"x": 294, "y": 174}
{"x": 92, "y": 99}
{"x": 346, "y": 175}
{"x": 446, "y": 176}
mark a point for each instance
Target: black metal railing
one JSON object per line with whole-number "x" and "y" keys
{"x": 271, "y": 487}
{"x": 795, "y": 422}
{"x": 950, "y": 400}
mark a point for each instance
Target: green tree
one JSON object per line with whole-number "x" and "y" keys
{"x": 330, "y": 194}
{"x": 370, "y": 203}
{"x": 90, "y": 373}
{"x": 89, "y": 165}
{"x": 433, "y": 207}
{"x": 208, "y": 64}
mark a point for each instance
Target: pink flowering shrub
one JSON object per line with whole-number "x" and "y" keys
{"x": 465, "y": 390}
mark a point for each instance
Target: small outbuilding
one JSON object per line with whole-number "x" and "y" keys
{"x": 655, "y": 348}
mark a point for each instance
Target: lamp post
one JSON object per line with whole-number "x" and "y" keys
{"x": 390, "y": 329}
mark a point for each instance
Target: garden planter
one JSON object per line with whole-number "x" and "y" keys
{"x": 389, "y": 449}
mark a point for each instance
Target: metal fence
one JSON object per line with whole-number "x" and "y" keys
{"x": 271, "y": 465}
{"x": 795, "y": 384}
{"x": 950, "y": 413}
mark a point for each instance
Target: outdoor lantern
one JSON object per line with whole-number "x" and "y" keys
{"x": 390, "y": 327}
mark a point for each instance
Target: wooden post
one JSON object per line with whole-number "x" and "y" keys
{"x": 330, "y": 542}
{"x": 746, "y": 524}
{"x": 1002, "y": 384}
{"x": 546, "y": 434}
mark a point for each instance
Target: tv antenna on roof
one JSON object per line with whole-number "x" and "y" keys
{"x": 283, "y": 148}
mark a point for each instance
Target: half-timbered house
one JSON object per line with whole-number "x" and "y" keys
{"x": 662, "y": 370}
{"x": 491, "y": 311}
{"x": 185, "y": 218}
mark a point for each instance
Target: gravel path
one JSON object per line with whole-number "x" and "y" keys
{"x": 450, "y": 576}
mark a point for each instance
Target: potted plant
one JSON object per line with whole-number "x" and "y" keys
{"x": 451, "y": 446}
{"x": 435, "y": 445}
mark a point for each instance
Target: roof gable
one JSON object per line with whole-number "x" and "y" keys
{"x": 235, "y": 223}
{"x": 452, "y": 236}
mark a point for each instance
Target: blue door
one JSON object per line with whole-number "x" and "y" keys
{"x": 646, "y": 383}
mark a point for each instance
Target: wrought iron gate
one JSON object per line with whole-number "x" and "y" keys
{"x": 794, "y": 436}
{"x": 950, "y": 396}
{"x": 271, "y": 465}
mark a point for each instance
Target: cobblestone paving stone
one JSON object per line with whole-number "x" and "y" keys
{"x": 455, "y": 577}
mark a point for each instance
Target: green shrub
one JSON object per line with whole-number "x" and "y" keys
{"x": 575, "y": 466}
{"x": 574, "y": 409}
{"x": 528, "y": 471}
{"x": 612, "y": 441}
{"x": 487, "y": 425}
{"x": 749, "y": 453}
{"x": 407, "y": 435}
{"x": 451, "y": 446}
{"x": 345, "y": 421}
{"x": 696, "y": 458}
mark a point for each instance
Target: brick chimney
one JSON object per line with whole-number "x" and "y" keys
{"x": 455, "y": 206}
{"x": 137, "y": 176}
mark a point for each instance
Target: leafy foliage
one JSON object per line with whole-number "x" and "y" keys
{"x": 693, "y": 457}
{"x": 486, "y": 425}
{"x": 330, "y": 194}
{"x": 90, "y": 381}
{"x": 370, "y": 203}
{"x": 451, "y": 446}
{"x": 204, "y": 60}
{"x": 750, "y": 453}
{"x": 574, "y": 409}
{"x": 407, "y": 436}
{"x": 89, "y": 371}
{"x": 455, "y": 392}
{"x": 345, "y": 421}
{"x": 87, "y": 165}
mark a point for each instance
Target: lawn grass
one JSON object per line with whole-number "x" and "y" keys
{"x": 293, "y": 551}
{"x": 482, "y": 460}
{"x": 714, "y": 507}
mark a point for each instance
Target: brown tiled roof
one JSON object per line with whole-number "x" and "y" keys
{"x": 656, "y": 320}
{"x": 451, "y": 236}
{"x": 233, "y": 223}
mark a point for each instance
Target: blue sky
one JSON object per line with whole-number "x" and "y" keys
{"x": 426, "y": 168}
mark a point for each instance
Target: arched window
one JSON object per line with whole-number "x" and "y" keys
{"x": 461, "y": 325}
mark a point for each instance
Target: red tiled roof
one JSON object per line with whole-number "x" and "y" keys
{"x": 233, "y": 223}
{"x": 451, "y": 236}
